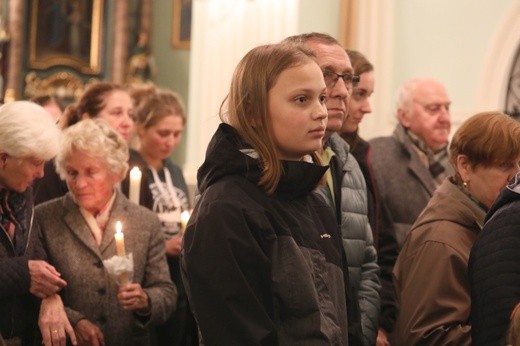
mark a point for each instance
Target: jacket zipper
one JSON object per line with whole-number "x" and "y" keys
{"x": 31, "y": 219}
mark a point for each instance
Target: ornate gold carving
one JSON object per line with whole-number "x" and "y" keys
{"x": 9, "y": 95}
{"x": 63, "y": 85}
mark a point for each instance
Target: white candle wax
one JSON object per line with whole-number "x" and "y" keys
{"x": 135, "y": 185}
{"x": 120, "y": 240}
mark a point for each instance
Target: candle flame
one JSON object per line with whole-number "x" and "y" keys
{"x": 119, "y": 228}
{"x": 185, "y": 216}
{"x": 135, "y": 173}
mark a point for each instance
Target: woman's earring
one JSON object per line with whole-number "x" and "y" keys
{"x": 465, "y": 184}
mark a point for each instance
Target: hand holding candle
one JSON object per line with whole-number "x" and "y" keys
{"x": 135, "y": 185}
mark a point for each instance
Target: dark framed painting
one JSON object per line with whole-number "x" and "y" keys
{"x": 181, "y": 23}
{"x": 66, "y": 33}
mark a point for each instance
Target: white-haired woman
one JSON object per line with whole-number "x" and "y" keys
{"x": 25, "y": 144}
{"x": 93, "y": 160}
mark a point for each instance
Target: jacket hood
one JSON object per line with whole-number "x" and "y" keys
{"x": 228, "y": 154}
{"x": 449, "y": 203}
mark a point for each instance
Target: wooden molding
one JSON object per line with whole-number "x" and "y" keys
{"x": 348, "y": 23}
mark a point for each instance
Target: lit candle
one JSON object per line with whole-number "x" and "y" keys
{"x": 185, "y": 217}
{"x": 124, "y": 278}
{"x": 120, "y": 240}
{"x": 135, "y": 184}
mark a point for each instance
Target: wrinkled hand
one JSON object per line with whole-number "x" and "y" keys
{"x": 89, "y": 334}
{"x": 132, "y": 297}
{"x": 382, "y": 338}
{"x": 45, "y": 279}
{"x": 173, "y": 246}
{"x": 53, "y": 322}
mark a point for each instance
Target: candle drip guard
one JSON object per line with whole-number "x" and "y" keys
{"x": 121, "y": 268}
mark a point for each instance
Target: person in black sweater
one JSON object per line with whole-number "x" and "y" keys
{"x": 494, "y": 269}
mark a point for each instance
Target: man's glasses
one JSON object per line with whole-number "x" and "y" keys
{"x": 331, "y": 78}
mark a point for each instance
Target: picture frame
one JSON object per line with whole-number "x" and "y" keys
{"x": 66, "y": 33}
{"x": 181, "y": 23}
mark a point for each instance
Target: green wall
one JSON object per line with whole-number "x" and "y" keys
{"x": 446, "y": 39}
{"x": 173, "y": 65}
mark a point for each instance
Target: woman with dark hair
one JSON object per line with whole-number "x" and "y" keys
{"x": 384, "y": 236}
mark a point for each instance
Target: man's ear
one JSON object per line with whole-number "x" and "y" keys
{"x": 3, "y": 159}
{"x": 403, "y": 118}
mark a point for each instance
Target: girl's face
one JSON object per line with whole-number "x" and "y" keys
{"x": 359, "y": 104}
{"x": 297, "y": 109}
{"x": 158, "y": 141}
{"x": 118, "y": 112}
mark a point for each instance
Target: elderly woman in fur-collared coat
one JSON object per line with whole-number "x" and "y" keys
{"x": 78, "y": 231}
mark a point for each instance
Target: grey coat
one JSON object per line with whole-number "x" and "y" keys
{"x": 357, "y": 238}
{"x": 91, "y": 293}
{"x": 403, "y": 181}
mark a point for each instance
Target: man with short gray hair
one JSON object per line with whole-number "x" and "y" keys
{"x": 410, "y": 164}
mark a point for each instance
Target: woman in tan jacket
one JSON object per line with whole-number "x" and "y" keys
{"x": 430, "y": 274}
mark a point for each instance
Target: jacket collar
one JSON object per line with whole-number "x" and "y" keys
{"x": 508, "y": 195}
{"x": 79, "y": 227}
{"x": 415, "y": 165}
{"x": 226, "y": 156}
{"x": 451, "y": 204}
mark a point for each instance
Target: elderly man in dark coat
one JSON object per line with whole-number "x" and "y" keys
{"x": 25, "y": 144}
